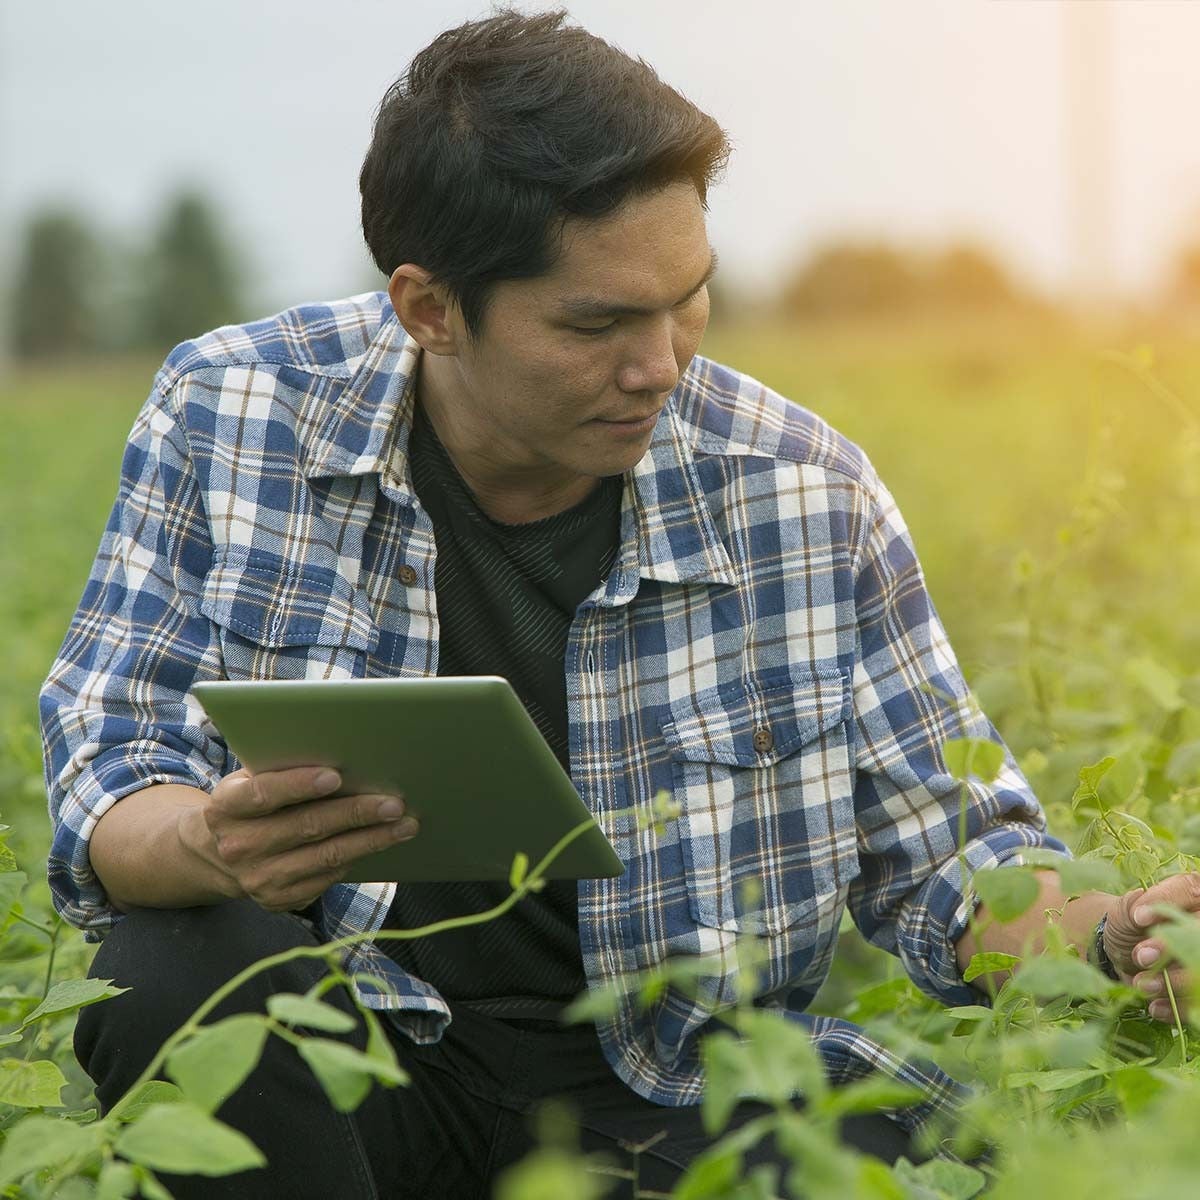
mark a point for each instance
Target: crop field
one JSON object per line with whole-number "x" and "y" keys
{"x": 1051, "y": 480}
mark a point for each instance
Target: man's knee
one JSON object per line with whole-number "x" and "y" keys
{"x": 172, "y": 960}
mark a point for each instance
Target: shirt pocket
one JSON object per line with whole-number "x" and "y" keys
{"x": 279, "y": 622}
{"x": 761, "y": 771}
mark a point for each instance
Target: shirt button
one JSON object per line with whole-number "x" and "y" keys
{"x": 408, "y": 575}
{"x": 764, "y": 739}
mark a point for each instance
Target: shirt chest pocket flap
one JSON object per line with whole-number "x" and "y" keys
{"x": 279, "y": 623}
{"x": 761, "y": 771}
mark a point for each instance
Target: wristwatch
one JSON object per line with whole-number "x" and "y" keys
{"x": 1099, "y": 955}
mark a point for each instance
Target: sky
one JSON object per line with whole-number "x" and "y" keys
{"x": 915, "y": 120}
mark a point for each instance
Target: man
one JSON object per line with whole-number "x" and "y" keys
{"x": 514, "y": 463}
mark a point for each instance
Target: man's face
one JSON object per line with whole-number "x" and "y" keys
{"x": 571, "y": 370}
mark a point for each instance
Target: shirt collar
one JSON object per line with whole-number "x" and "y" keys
{"x": 677, "y": 539}
{"x": 365, "y": 431}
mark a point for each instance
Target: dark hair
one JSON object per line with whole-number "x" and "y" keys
{"x": 503, "y": 128}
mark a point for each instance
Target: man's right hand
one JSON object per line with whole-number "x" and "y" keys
{"x": 281, "y": 838}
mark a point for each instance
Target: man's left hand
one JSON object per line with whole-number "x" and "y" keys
{"x": 1138, "y": 955}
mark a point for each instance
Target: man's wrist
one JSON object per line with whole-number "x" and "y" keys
{"x": 1098, "y": 954}
{"x": 196, "y": 840}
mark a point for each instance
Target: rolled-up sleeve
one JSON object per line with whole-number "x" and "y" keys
{"x": 116, "y": 712}
{"x": 921, "y": 833}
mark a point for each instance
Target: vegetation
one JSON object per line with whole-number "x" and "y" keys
{"x": 1052, "y": 484}
{"x": 80, "y": 289}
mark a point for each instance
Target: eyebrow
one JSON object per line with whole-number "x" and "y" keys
{"x": 590, "y": 308}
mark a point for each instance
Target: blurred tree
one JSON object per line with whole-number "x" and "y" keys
{"x": 852, "y": 277}
{"x": 864, "y": 278}
{"x": 1184, "y": 287}
{"x": 191, "y": 280}
{"x": 56, "y": 297}
{"x": 966, "y": 276}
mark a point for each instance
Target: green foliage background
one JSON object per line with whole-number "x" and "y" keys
{"x": 1051, "y": 480}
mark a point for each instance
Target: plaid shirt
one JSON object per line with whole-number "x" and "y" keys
{"x": 764, "y": 648}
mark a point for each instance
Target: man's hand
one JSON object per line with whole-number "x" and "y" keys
{"x": 1140, "y": 957}
{"x": 282, "y": 839}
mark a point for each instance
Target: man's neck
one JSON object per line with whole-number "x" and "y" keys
{"x": 510, "y": 494}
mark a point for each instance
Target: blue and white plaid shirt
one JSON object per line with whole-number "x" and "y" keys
{"x": 764, "y": 648}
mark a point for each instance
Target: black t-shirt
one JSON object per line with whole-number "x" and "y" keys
{"x": 506, "y": 596}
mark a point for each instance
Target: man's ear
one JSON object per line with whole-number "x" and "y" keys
{"x": 424, "y": 309}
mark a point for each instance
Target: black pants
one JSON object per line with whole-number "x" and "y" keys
{"x": 464, "y": 1117}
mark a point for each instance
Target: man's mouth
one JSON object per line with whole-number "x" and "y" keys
{"x": 646, "y": 421}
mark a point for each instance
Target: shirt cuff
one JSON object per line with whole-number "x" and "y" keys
{"x": 76, "y": 890}
{"x": 936, "y": 915}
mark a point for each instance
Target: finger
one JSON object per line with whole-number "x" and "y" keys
{"x": 1161, "y": 1010}
{"x": 308, "y": 871}
{"x": 1179, "y": 891}
{"x": 1149, "y": 953}
{"x": 244, "y": 795}
{"x": 305, "y": 824}
{"x": 1154, "y": 983}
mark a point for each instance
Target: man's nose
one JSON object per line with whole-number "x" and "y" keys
{"x": 652, "y": 367}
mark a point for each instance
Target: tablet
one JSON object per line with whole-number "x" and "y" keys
{"x": 471, "y": 764}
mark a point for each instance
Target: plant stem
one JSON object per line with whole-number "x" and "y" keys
{"x": 1178, "y": 1021}
{"x": 47, "y": 930}
{"x": 332, "y": 950}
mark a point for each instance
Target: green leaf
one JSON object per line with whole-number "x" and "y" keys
{"x": 1046, "y": 977}
{"x": 118, "y": 1181}
{"x": 1135, "y": 1087}
{"x": 1140, "y": 867}
{"x": 150, "y": 1187}
{"x": 72, "y": 994}
{"x": 551, "y": 1173}
{"x": 346, "y": 1073}
{"x": 381, "y": 1051}
{"x": 870, "y": 1095}
{"x": 213, "y": 1064}
{"x": 154, "y": 1091}
{"x": 1087, "y": 792}
{"x": 773, "y": 1060}
{"x": 36, "y": 1084}
{"x": 518, "y": 870}
{"x": 78, "y": 1187}
{"x": 1123, "y": 782}
{"x": 183, "y": 1140}
{"x": 971, "y": 1012}
{"x": 309, "y": 1012}
{"x": 37, "y": 1142}
{"x": 945, "y": 1179}
{"x": 1006, "y": 892}
{"x": 1183, "y": 767}
{"x": 978, "y": 757}
{"x": 1161, "y": 685}
{"x": 1180, "y": 933}
{"x": 1054, "y": 1081}
{"x": 596, "y": 1005}
{"x": 1079, "y": 875}
{"x": 12, "y": 884}
{"x": 986, "y": 963}
{"x": 718, "y": 1170}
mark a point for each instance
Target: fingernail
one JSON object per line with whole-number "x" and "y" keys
{"x": 405, "y": 829}
{"x": 1143, "y": 915}
{"x": 326, "y": 781}
{"x": 1160, "y": 1010}
{"x": 1149, "y": 985}
{"x": 391, "y": 808}
{"x": 1145, "y": 956}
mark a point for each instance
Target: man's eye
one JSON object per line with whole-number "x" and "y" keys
{"x": 594, "y": 330}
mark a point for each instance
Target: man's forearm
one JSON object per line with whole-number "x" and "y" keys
{"x": 1077, "y": 918}
{"x": 152, "y": 849}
